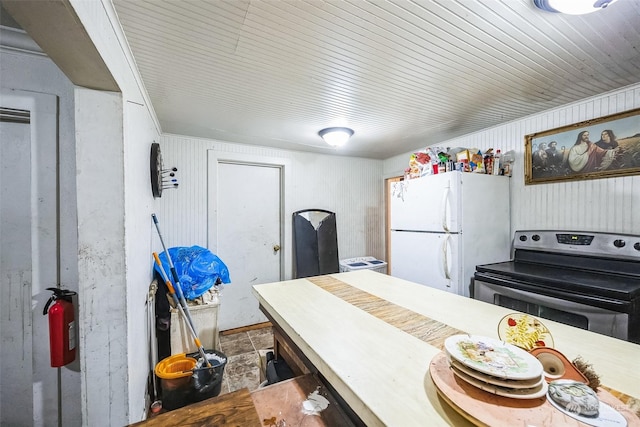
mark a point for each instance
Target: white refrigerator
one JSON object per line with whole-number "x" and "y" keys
{"x": 443, "y": 225}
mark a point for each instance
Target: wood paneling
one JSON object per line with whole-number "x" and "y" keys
{"x": 400, "y": 73}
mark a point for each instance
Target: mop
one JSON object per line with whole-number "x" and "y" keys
{"x": 182, "y": 303}
{"x": 178, "y": 304}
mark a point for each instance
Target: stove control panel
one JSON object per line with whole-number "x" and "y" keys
{"x": 624, "y": 246}
{"x": 574, "y": 239}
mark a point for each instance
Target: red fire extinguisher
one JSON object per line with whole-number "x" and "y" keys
{"x": 62, "y": 327}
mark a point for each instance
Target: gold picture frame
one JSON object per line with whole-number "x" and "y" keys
{"x": 569, "y": 152}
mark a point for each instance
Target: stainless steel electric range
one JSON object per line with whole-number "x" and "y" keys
{"x": 584, "y": 279}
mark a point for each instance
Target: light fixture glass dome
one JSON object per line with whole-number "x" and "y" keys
{"x": 572, "y": 7}
{"x": 336, "y": 137}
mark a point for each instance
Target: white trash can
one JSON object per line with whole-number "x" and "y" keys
{"x": 205, "y": 319}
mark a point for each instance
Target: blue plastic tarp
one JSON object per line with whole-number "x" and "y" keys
{"x": 197, "y": 268}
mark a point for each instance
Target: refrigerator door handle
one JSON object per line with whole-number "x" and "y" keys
{"x": 445, "y": 199}
{"x": 445, "y": 259}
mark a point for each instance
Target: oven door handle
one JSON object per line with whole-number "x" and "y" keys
{"x": 445, "y": 258}
{"x": 518, "y": 287}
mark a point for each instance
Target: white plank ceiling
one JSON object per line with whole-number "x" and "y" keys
{"x": 402, "y": 74}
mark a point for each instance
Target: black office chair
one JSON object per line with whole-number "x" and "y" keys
{"x": 315, "y": 243}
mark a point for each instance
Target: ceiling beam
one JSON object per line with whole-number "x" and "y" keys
{"x": 56, "y": 28}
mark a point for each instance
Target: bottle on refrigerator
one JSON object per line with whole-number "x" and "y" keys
{"x": 497, "y": 162}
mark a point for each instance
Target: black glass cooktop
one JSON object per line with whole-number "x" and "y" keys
{"x": 568, "y": 280}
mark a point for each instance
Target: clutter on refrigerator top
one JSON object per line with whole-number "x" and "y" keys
{"x": 434, "y": 160}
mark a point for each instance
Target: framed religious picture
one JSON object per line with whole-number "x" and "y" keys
{"x": 598, "y": 148}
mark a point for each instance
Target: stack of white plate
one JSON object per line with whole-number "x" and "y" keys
{"x": 496, "y": 367}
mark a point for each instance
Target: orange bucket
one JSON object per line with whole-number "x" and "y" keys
{"x": 175, "y": 371}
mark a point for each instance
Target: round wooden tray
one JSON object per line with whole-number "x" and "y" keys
{"x": 486, "y": 409}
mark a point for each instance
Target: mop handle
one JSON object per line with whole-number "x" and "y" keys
{"x": 172, "y": 290}
{"x": 189, "y": 322}
{"x": 172, "y": 267}
{"x": 183, "y": 302}
{"x": 173, "y": 270}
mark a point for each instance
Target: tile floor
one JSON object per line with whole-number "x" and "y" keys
{"x": 243, "y": 358}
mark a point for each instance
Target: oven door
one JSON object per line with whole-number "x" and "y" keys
{"x": 595, "y": 319}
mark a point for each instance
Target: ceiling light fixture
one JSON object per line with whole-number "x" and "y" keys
{"x": 572, "y": 7}
{"x": 336, "y": 137}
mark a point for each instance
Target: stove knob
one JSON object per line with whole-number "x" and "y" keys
{"x": 535, "y": 237}
{"x": 619, "y": 243}
{"x": 637, "y": 246}
{"x": 523, "y": 238}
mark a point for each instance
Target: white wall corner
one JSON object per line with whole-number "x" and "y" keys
{"x": 101, "y": 257}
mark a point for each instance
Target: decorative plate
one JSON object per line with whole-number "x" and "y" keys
{"x": 606, "y": 415}
{"x": 515, "y": 393}
{"x": 524, "y": 331}
{"x": 510, "y": 384}
{"x": 575, "y": 397}
{"x": 493, "y": 357}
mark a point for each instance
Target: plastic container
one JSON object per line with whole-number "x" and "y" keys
{"x": 175, "y": 371}
{"x": 207, "y": 382}
{"x": 184, "y": 381}
{"x": 507, "y": 162}
{"x": 175, "y": 374}
{"x": 205, "y": 320}
{"x": 363, "y": 263}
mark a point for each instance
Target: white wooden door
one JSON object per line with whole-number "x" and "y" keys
{"x": 248, "y": 237}
{"x": 28, "y": 384}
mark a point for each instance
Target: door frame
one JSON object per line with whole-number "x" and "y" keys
{"x": 214, "y": 158}
{"x": 388, "y": 182}
{"x": 48, "y": 389}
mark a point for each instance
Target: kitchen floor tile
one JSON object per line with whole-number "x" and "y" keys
{"x": 242, "y": 363}
{"x": 262, "y": 342}
{"x": 232, "y": 345}
{"x": 243, "y": 358}
{"x": 250, "y": 380}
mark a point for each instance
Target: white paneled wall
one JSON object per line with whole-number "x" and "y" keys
{"x": 608, "y": 205}
{"x": 350, "y": 187}
{"x": 353, "y": 187}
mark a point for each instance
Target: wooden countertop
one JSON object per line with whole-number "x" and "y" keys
{"x": 372, "y": 336}
{"x": 298, "y": 401}
{"x": 232, "y": 409}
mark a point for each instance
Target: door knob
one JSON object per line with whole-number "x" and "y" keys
{"x": 276, "y": 248}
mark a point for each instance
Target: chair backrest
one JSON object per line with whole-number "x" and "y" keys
{"x": 315, "y": 243}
